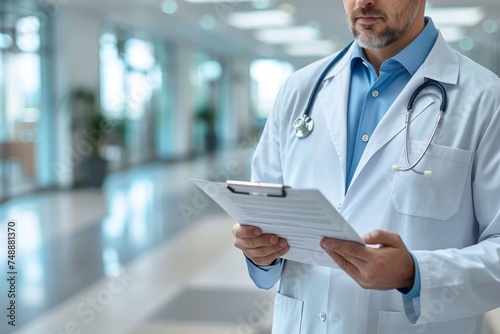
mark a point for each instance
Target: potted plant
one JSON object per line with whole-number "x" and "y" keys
{"x": 91, "y": 133}
{"x": 207, "y": 115}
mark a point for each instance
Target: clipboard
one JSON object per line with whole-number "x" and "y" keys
{"x": 302, "y": 216}
{"x": 256, "y": 188}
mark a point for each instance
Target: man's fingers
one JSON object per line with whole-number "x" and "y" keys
{"x": 262, "y": 249}
{"x": 245, "y": 231}
{"x": 345, "y": 265}
{"x": 262, "y": 241}
{"x": 348, "y": 249}
{"x": 267, "y": 260}
{"x": 262, "y": 252}
{"x": 383, "y": 238}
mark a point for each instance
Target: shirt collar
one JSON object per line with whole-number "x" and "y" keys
{"x": 412, "y": 56}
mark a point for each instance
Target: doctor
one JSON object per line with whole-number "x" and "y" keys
{"x": 436, "y": 264}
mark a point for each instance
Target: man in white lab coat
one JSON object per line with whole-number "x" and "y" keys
{"x": 436, "y": 266}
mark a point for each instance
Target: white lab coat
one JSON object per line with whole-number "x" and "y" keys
{"x": 450, "y": 221}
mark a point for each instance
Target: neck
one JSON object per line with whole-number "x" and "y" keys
{"x": 378, "y": 56}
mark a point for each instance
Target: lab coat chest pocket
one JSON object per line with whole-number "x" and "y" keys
{"x": 438, "y": 196}
{"x": 287, "y": 315}
{"x": 397, "y": 323}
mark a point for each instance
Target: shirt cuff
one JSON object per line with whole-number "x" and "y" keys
{"x": 414, "y": 292}
{"x": 265, "y": 277}
{"x": 275, "y": 264}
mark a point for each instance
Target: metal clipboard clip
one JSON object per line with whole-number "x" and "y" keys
{"x": 256, "y": 188}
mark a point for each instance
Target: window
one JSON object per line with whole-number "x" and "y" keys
{"x": 20, "y": 102}
{"x": 131, "y": 78}
{"x": 267, "y": 76}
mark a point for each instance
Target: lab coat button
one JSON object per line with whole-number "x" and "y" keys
{"x": 375, "y": 93}
{"x": 365, "y": 138}
{"x": 322, "y": 317}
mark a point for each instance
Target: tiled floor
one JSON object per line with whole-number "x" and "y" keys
{"x": 144, "y": 255}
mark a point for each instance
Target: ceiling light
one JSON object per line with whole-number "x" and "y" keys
{"x": 169, "y": 6}
{"x": 217, "y": 1}
{"x": 287, "y": 35}
{"x": 260, "y": 19}
{"x": 311, "y": 49}
{"x": 456, "y": 16}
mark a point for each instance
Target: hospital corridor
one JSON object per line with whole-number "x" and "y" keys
{"x": 130, "y": 262}
{"x": 109, "y": 109}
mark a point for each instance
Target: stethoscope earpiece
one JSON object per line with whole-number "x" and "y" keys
{"x": 426, "y": 173}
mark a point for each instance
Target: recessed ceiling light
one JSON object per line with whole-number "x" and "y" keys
{"x": 456, "y": 16}
{"x": 260, "y": 19}
{"x": 217, "y": 1}
{"x": 452, "y": 34}
{"x": 310, "y": 49}
{"x": 287, "y": 35}
{"x": 169, "y": 6}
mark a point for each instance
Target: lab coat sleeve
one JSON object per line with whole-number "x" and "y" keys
{"x": 460, "y": 283}
{"x": 266, "y": 167}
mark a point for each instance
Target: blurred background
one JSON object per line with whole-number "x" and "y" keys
{"x": 108, "y": 107}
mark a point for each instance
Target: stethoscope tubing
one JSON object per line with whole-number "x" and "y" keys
{"x": 304, "y": 125}
{"x": 411, "y": 166}
{"x": 322, "y": 76}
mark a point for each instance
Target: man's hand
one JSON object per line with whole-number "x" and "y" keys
{"x": 261, "y": 249}
{"x": 389, "y": 266}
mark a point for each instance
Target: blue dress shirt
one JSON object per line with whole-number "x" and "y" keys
{"x": 371, "y": 95}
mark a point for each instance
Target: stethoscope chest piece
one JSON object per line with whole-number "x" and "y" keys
{"x": 303, "y": 126}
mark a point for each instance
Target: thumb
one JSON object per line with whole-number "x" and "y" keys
{"x": 383, "y": 238}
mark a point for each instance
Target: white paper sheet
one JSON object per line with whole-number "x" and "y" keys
{"x": 303, "y": 217}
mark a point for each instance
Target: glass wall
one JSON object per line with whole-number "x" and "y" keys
{"x": 131, "y": 78}
{"x": 20, "y": 101}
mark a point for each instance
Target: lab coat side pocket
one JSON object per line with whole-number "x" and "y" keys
{"x": 287, "y": 315}
{"x": 437, "y": 196}
{"x": 397, "y": 323}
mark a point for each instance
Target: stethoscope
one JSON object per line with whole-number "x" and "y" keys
{"x": 304, "y": 125}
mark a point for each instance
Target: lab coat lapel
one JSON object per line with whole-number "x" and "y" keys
{"x": 333, "y": 107}
{"x": 441, "y": 65}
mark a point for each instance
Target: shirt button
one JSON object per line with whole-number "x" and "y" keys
{"x": 375, "y": 93}
{"x": 365, "y": 138}
{"x": 322, "y": 317}
{"x": 339, "y": 206}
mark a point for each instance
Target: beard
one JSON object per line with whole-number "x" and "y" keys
{"x": 392, "y": 32}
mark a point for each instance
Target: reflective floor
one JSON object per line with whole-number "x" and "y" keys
{"x": 147, "y": 254}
